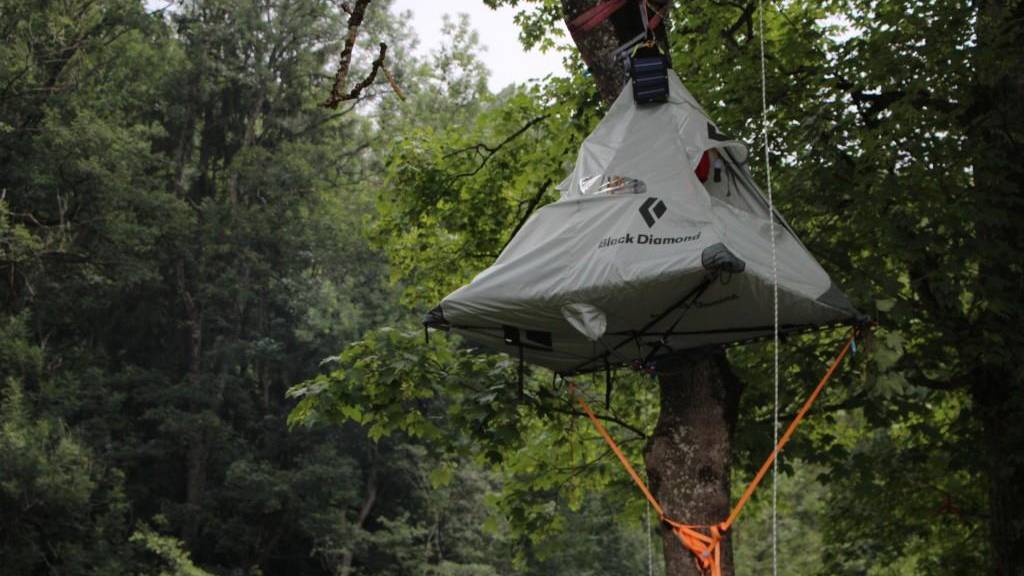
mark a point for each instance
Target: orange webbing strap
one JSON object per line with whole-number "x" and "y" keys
{"x": 788, "y": 434}
{"x": 618, "y": 451}
{"x": 706, "y": 548}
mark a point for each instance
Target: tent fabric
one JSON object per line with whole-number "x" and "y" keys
{"x": 639, "y": 258}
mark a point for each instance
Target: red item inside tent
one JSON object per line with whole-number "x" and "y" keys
{"x": 703, "y": 167}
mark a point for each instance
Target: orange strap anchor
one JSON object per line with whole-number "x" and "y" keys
{"x": 704, "y": 542}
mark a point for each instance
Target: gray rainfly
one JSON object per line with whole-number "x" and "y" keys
{"x": 660, "y": 243}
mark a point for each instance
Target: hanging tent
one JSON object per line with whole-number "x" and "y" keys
{"x": 659, "y": 243}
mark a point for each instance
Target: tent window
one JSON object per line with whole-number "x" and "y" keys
{"x": 605, "y": 184}
{"x": 723, "y": 182}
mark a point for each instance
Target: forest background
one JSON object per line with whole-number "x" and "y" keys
{"x": 210, "y": 288}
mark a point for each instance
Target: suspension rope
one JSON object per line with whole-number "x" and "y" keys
{"x": 775, "y": 294}
{"x": 704, "y": 541}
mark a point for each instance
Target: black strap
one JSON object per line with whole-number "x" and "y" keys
{"x": 686, "y": 308}
{"x": 686, "y": 302}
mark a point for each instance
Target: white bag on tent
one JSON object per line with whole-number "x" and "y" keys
{"x": 639, "y": 258}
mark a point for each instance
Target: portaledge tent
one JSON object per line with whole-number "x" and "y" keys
{"x": 640, "y": 257}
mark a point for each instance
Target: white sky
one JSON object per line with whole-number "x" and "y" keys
{"x": 505, "y": 57}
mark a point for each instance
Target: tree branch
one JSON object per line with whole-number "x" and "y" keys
{"x": 854, "y": 401}
{"x": 355, "y": 20}
{"x": 745, "y": 18}
{"x": 876, "y": 103}
{"x": 338, "y": 95}
{"x": 575, "y": 471}
{"x": 955, "y": 382}
{"x": 530, "y": 207}
{"x": 490, "y": 150}
{"x": 394, "y": 85}
{"x": 572, "y": 412}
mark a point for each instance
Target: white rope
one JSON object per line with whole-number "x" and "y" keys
{"x": 775, "y": 295}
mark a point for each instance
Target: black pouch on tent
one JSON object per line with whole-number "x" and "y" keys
{"x": 648, "y": 68}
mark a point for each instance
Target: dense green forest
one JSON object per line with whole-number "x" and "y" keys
{"x": 211, "y": 360}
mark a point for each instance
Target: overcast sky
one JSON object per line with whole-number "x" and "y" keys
{"x": 504, "y": 56}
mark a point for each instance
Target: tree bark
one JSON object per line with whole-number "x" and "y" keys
{"x": 994, "y": 124}
{"x": 198, "y": 450}
{"x": 688, "y": 457}
{"x": 369, "y": 499}
{"x": 997, "y": 402}
{"x": 596, "y": 46}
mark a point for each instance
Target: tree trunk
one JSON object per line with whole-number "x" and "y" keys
{"x": 688, "y": 457}
{"x": 995, "y": 122}
{"x": 195, "y": 486}
{"x": 997, "y": 402}
{"x": 198, "y": 450}
{"x": 597, "y": 45}
{"x": 369, "y": 499}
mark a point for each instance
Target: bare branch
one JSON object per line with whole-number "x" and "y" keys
{"x": 338, "y": 95}
{"x": 355, "y": 20}
{"x": 394, "y": 85}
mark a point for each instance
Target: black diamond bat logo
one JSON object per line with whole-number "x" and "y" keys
{"x": 651, "y": 210}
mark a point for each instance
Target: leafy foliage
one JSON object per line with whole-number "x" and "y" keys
{"x": 185, "y": 234}
{"x": 875, "y": 113}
